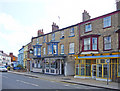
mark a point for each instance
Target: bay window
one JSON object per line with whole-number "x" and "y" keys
{"x": 90, "y": 44}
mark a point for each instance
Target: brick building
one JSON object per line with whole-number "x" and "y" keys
{"x": 54, "y": 51}
{"x": 99, "y": 44}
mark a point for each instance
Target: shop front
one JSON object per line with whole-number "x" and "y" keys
{"x": 95, "y": 66}
{"x": 54, "y": 66}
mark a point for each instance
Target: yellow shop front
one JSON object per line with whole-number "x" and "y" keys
{"x": 95, "y": 66}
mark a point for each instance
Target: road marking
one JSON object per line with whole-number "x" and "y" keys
{"x": 67, "y": 85}
{"x": 27, "y": 83}
{"x": 5, "y": 76}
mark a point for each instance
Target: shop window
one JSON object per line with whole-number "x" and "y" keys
{"x": 52, "y": 71}
{"x": 82, "y": 69}
{"x": 88, "y": 70}
{"x": 80, "y": 61}
{"x": 47, "y": 70}
{"x": 102, "y": 60}
{"x": 99, "y": 70}
{"x": 105, "y": 71}
{"x": 88, "y": 61}
{"x": 47, "y": 64}
{"x": 77, "y": 69}
{"x": 53, "y": 64}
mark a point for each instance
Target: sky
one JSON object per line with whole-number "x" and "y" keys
{"x": 21, "y": 19}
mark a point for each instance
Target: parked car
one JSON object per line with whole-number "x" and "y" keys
{"x": 3, "y": 69}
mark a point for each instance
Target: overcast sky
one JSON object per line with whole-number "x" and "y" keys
{"x": 21, "y": 19}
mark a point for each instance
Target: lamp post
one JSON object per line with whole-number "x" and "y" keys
{"x": 108, "y": 60}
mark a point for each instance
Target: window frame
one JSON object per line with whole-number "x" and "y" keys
{"x": 107, "y": 22}
{"x": 107, "y": 43}
{"x": 88, "y": 29}
{"x": 71, "y": 47}
{"x": 91, "y": 44}
{"x": 72, "y": 32}
{"x": 53, "y": 37}
{"x": 62, "y": 49}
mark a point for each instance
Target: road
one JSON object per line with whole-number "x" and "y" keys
{"x": 15, "y": 81}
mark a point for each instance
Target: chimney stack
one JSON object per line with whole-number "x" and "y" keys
{"x": 54, "y": 27}
{"x": 40, "y": 32}
{"x": 86, "y": 16}
{"x": 118, "y": 4}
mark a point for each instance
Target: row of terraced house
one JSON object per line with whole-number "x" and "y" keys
{"x": 82, "y": 50}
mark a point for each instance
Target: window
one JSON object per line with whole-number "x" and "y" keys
{"x": 107, "y": 21}
{"x": 71, "y": 48}
{"x": 99, "y": 70}
{"x": 77, "y": 69}
{"x": 72, "y": 32}
{"x": 62, "y": 49}
{"x": 94, "y": 43}
{"x": 88, "y": 28}
{"x": 54, "y": 49}
{"x": 37, "y": 41}
{"x": 39, "y": 51}
{"x": 49, "y": 49}
{"x": 87, "y": 44}
{"x": 107, "y": 43}
{"x": 35, "y": 51}
{"x": 62, "y": 34}
{"x": 118, "y": 69}
{"x": 44, "y": 39}
{"x": 53, "y": 37}
{"x": 90, "y": 44}
{"x": 44, "y": 51}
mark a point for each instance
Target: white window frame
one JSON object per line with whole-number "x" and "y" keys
{"x": 107, "y": 43}
{"x": 87, "y": 44}
{"x": 72, "y": 32}
{"x": 94, "y": 43}
{"x": 88, "y": 27}
{"x": 71, "y": 48}
{"x": 62, "y": 49}
{"x": 107, "y": 21}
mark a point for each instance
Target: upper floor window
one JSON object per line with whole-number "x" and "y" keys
{"x": 107, "y": 43}
{"x": 62, "y": 49}
{"x": 39, "y": 51}
{"x": 71, "y": 48}
{"x": 54, "y": 49}
{"x": 37, "y": 41}
{"x": 44, "y": 39}
{"x": 72, "y": 32}
{"x": 87, "y": 44}
{"x": 53, "y": 37}
{"x": 88, "y": 27}
{"x": 44, "y": 51}
{"x": 90, "y": 44}
{"x": 62, "y": 34}
{"x": 49, "y": 49}
{"x": 107, "y": 21}
{"x": 35, "y": 51}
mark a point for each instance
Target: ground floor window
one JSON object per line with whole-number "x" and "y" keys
{"x": 88, "y": 70}
{"x": 99, "y": 70}
{"x": 77, "y": 69}
{"x": 118, "y": 69}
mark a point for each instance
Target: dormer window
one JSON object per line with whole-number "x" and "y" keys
{"x": 88, "y": 27}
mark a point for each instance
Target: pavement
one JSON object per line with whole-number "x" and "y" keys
{"x": 72, "y": 80}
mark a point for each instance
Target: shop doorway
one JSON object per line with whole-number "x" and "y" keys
{"x": 93, "y": 71}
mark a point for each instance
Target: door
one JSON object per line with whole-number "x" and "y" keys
{"x": 94, "y": 71}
